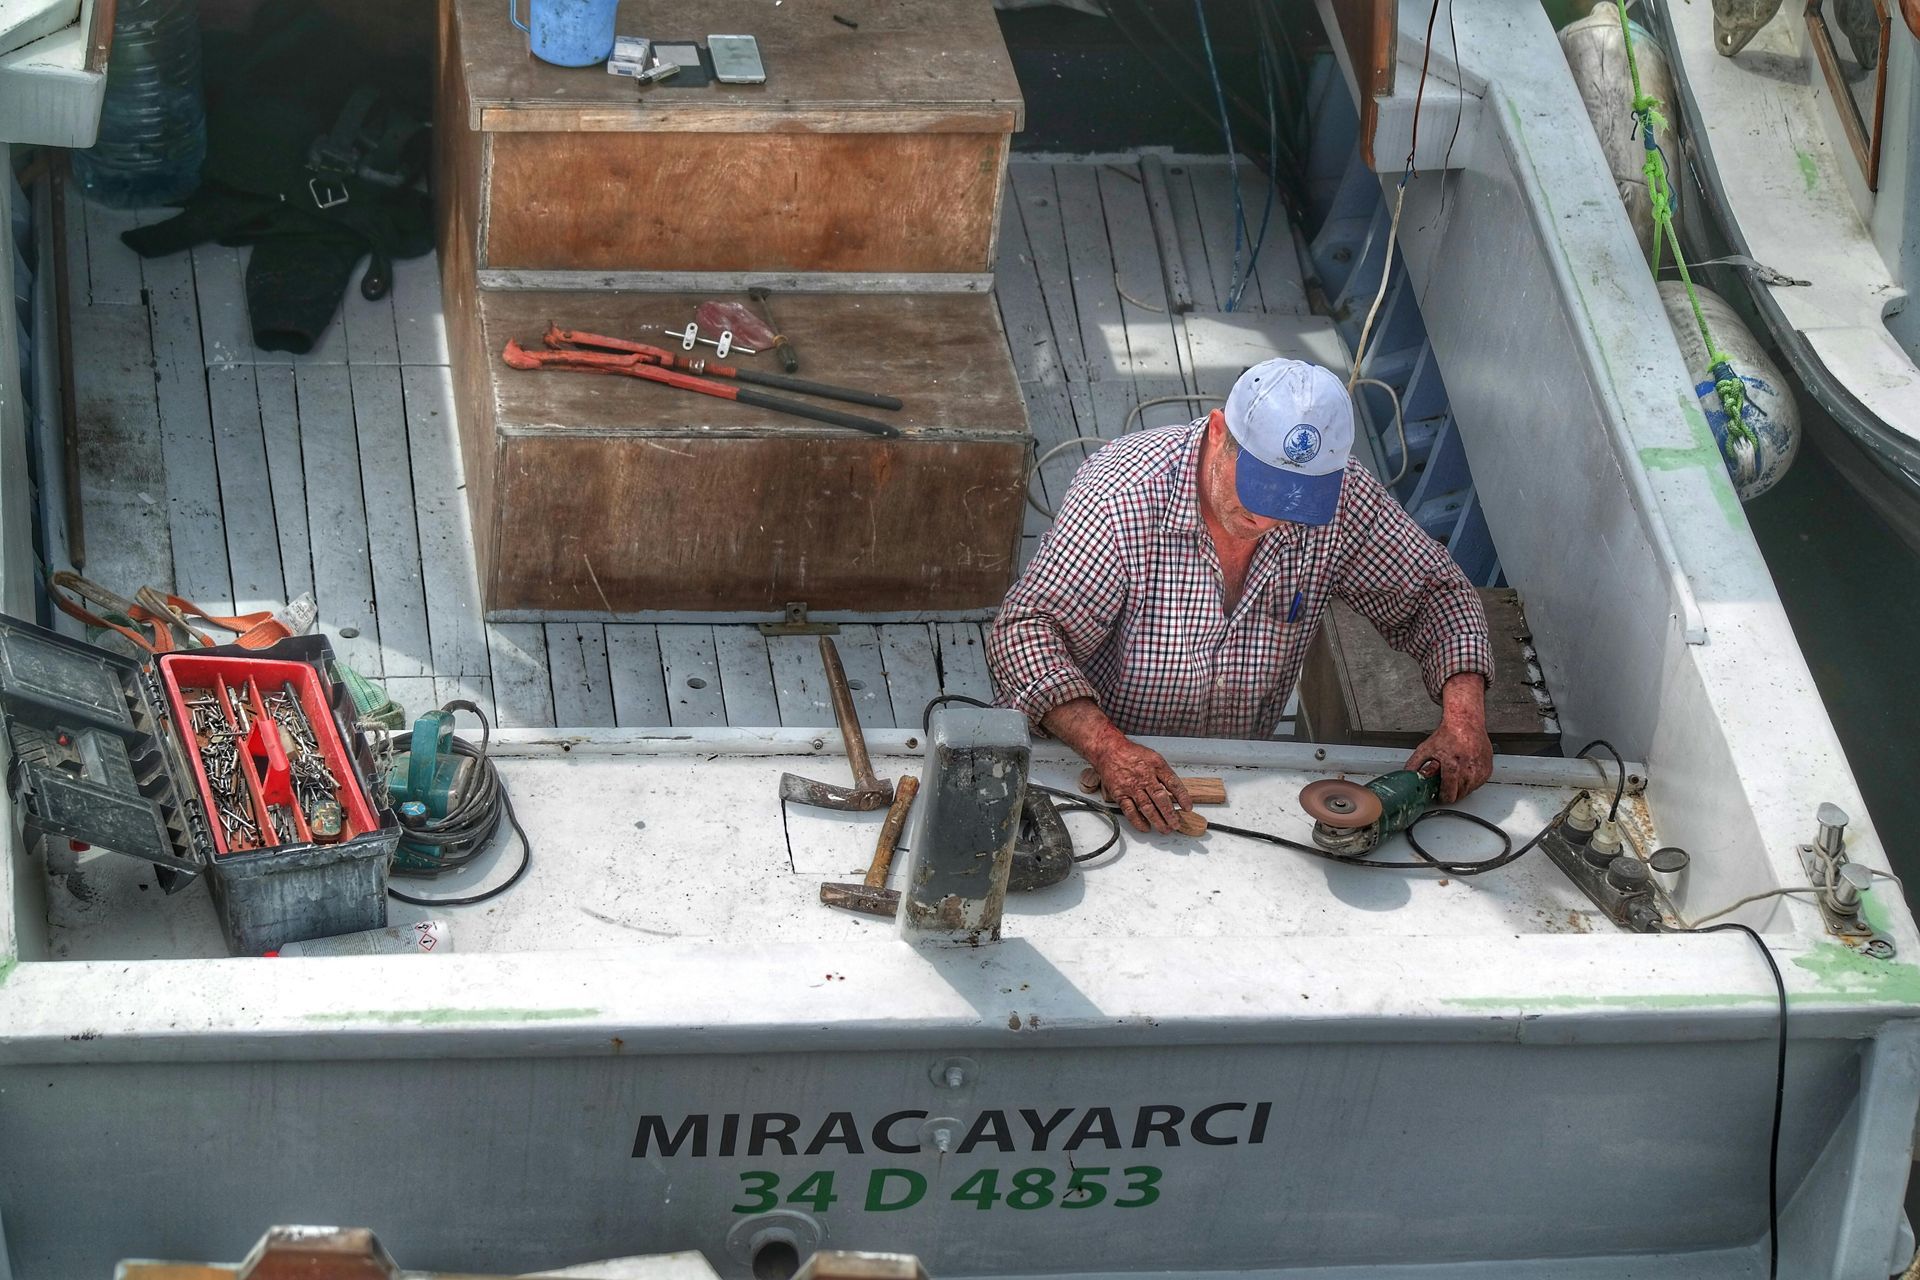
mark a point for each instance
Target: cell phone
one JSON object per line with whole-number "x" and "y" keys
{"x": 736, "y": 60}
{"x": 686, "y": 55}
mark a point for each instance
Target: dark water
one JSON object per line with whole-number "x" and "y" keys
{"x": 1852, "y": 591}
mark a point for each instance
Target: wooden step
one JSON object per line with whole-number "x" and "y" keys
{"x": 611, "y": 494}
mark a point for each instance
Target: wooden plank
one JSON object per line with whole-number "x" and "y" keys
{"x": 892, "y": 538}
{"x": 123, "y": 473}
{"x": 746, "y": 677}
{"x": 455, "y": 623}
{"x": 521, "y": 687}
{"x": 1038, "y": 198}
{"x": 415, "y": 694}
{"x": 1023, "y": 306}
{"x": 608, "y": 201}
{"x": 1173, "y": 263}
{"x": 337, "y": 515}
{"x": 694, "y": 689}
{"x": 200, "y": 569}
{"x": 639, "y": 683}
{"x": 1051, "y": 414}
{"x": 738, "y": 119}
{"x": 475, "y": 689}
{"x": 113, "y": 270}
{"x": 226, "y": 333}
{"x": 368, "y": 324}
{"x": 1213, "y": 204}
{"x": 1207, "y": 290}
{"x": 963, "y": 660}
{"x": 1153, "y": 345}
{"x": 891, "y": 56}
{"x": 252, "y": 542}
{"x": 582, "y": 680}
{"x": 419, "y": 323}
{"x": 393, "y": 541}
{"x": 800, "y": 681}
{"x": 1096, "y": 301}
{"x": 913, "y": 670}
{"x": 280, "y": 424}
{"x": 943, "y": 355}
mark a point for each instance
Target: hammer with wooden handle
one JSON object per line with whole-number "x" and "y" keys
{"x": 872, "y": 897}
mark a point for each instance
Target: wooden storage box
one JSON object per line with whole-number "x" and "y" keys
{"x": 876, "y": 145}
{"x": 597, "y": 494}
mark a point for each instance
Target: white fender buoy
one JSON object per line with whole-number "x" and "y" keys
{"x": 1770, "y": 412}
{"x": 1596, "y": 53}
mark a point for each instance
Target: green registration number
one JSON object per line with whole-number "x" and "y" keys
{"x": 886, "y": 1190}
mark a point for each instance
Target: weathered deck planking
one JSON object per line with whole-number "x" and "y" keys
{"x": 241, "y": 476}
{"x": 252, "y": 543}
{"x": 194, "y": 485}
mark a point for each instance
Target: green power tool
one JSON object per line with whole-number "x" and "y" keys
{"x": 424, "y": 780}
{"x": 1350, "y": 820}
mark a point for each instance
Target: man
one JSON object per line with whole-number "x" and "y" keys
{"x": 1188, "y": 570}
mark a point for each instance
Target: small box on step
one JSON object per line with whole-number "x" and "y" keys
{"x": 237, "y": 764}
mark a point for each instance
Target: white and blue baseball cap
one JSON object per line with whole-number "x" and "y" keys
{"x": 1294, "y": 422}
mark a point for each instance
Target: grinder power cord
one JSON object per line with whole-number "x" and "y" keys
{"x": 473, "y": 802}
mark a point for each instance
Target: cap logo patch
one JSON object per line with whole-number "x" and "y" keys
{"x": 1302, "y": 444}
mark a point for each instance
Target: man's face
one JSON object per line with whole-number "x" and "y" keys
{"x": 1217, "y": 488}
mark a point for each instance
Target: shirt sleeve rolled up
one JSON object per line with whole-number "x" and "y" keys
{"x": 1406, "y": 585}
{"x": 1060, "y": 612}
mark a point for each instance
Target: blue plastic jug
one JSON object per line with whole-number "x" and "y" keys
{"x": 567, "y": 33}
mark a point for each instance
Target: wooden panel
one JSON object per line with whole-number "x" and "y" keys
{"x": 682, "y": 202}
{"x": 1355, "y": 689}
{"x": 746, "y": 676}
{"x": 582, "y": 681}
{"x": 911, "y": 60}
{"x": 722, "y": 524}
{"x": 639, "y": 690}
{"x": 1369, "y": 29}
{"x": 963, "y": 660}
{"x": 457, "y": 163}
{"x": 944, "y": 355}
{"x": 692, "y": 675}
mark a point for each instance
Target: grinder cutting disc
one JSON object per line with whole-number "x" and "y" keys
{"x": 1341, "y": 804}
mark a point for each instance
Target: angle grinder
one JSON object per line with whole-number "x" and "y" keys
{"x": 1350, "y": 819}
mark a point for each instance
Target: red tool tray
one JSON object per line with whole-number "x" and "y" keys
{"x": 263, "y": 757}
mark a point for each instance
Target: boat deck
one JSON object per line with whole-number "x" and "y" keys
{"x": 630, "y": 848}
{"x": 239, "y": 478}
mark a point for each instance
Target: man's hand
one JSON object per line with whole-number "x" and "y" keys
{"x": 1138, "y": 778}
{"x": 1143, "y": 784}
{"x": 1460, "y": 746}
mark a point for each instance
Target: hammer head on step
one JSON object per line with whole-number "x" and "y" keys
{"x": 826, "y": 795}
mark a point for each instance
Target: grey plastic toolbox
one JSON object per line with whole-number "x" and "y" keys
{"x": 99, "y": 758}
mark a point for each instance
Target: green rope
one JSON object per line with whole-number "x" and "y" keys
{"x": 1646, "y": 109}
{"x": 370, "y": 701}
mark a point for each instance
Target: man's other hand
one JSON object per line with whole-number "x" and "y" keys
{"x": 1460, "y": 747}
{"x": 1143, "y": 784}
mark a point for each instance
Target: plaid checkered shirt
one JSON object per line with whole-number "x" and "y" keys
{"x": 1123, "y": 603}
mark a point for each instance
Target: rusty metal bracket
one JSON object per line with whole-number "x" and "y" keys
{"x": 794, "y": 622}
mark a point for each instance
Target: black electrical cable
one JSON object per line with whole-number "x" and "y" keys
{"x": 1620, "y": 785}
{"x": 1779, "y": 1084}
{"x": 1074, "y": 803}
{"x": 473, "y": 818}
{"x": 941, "y": 700}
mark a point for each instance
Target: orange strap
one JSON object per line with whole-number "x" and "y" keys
{"x": 162, "y": 613}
